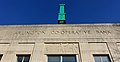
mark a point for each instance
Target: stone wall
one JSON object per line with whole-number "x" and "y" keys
{"x": 41, "y": 40}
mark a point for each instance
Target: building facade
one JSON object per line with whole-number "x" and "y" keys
{"x": 60, "y": 43}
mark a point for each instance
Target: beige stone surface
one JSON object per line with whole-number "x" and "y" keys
{"x": 114, "y": 51}
{"x": 61, "y": 48}
{"x": 73, "y": 39}
{"x": 59, "y": 31}
{"x": 38, "y": 53}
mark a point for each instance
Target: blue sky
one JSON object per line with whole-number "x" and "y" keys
{"x": 46, "y": 11}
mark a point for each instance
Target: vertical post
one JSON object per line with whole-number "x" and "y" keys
{"x": 115, "y": 52}
{"x": 38, "y": 53}
{"x": 10, "y": 55}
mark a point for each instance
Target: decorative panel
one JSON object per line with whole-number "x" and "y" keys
{"x": 61, "y": 48}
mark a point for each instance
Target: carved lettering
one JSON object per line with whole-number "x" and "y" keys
{"x": 64, "y": 32}
{"x": 71, "y": 32}
{"x": 29, "y": 32}
{"x": 103, "y": 32}
{"x": 87, "y": 32}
